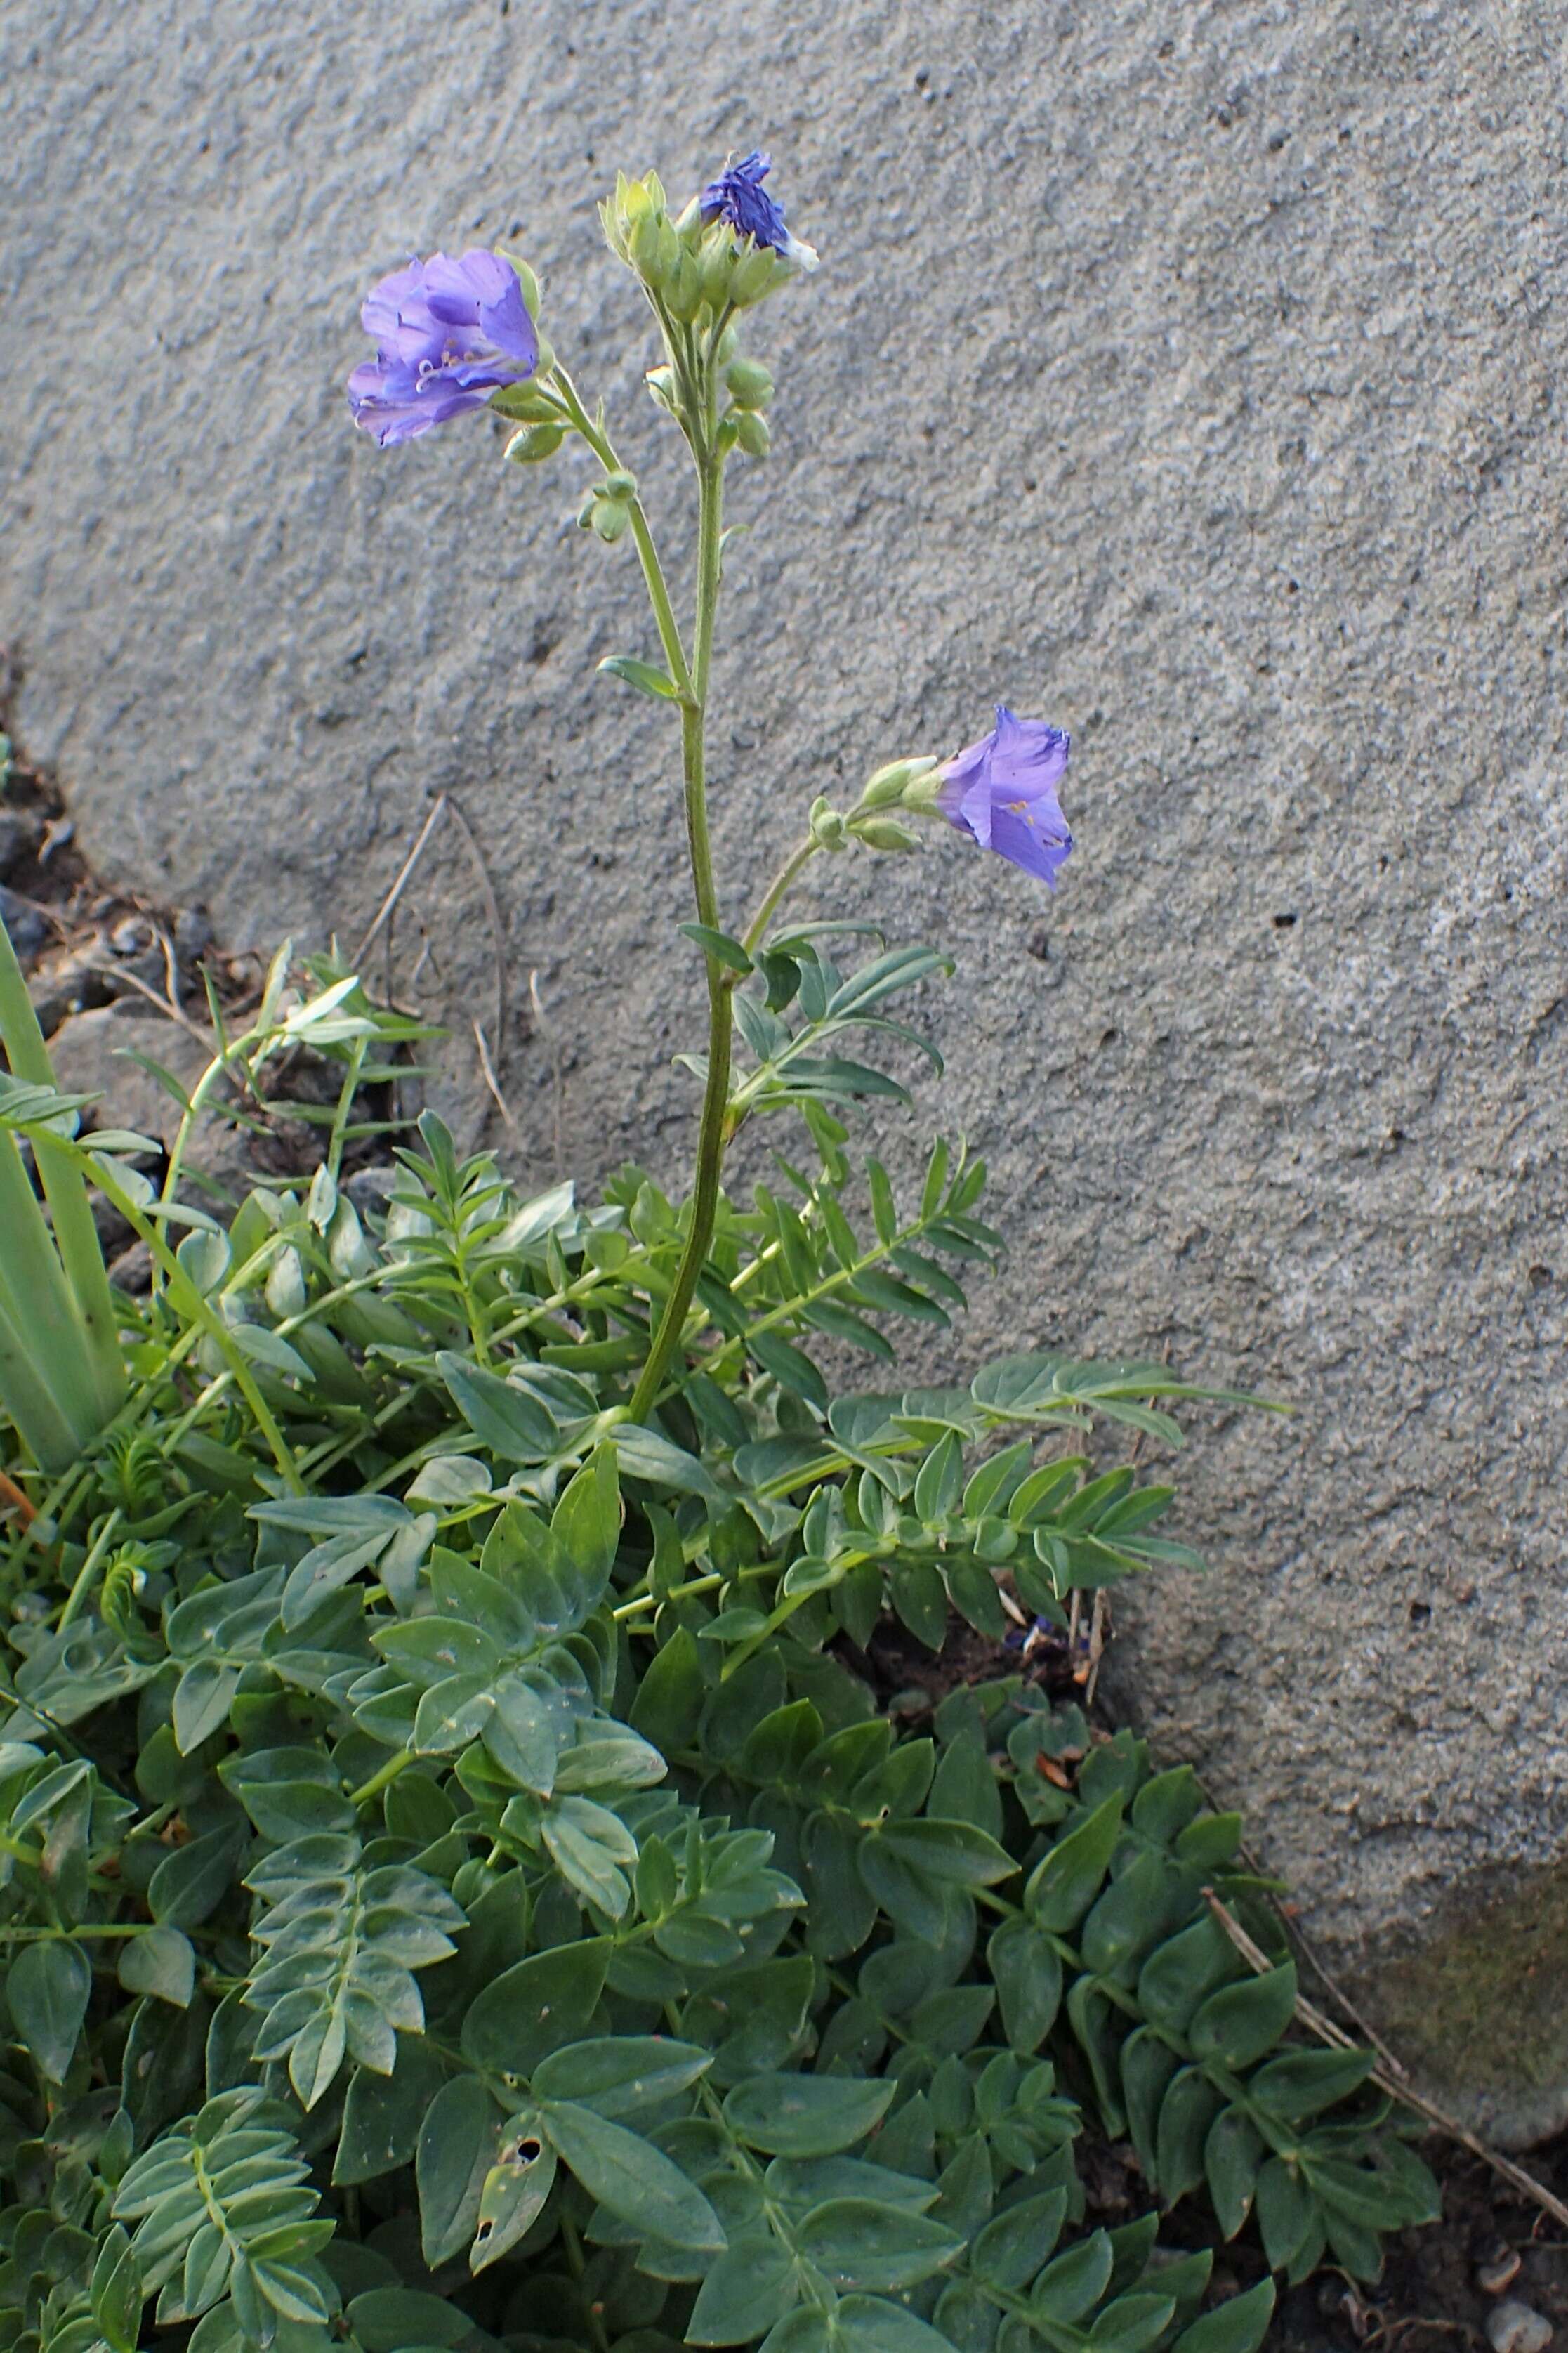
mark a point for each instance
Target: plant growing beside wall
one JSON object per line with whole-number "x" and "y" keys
{"x": 457, "y": 1889}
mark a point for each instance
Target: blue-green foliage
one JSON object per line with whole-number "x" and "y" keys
{"x": 456, "y": 1893}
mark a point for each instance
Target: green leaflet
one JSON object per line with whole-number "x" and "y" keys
{"x": 631, "y": 2178}
{"x": 342, "y": 1945}
{"x": 46, "y": 1990}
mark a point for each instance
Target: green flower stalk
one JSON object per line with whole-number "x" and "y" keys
{"x": 454, "y": 335}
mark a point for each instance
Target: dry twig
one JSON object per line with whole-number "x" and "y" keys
{"x": 13, "y": 1500}
{"x": 405, "y": 872}
{"x": 492, "y": 909}
{"x": 165, "y": 1004}
{"x": 487, "y": 1067}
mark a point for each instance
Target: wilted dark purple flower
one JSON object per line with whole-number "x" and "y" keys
{"x": 738, "y": 197}
{"x": 1001, "y": 792}
{"x": 448, "y": 332}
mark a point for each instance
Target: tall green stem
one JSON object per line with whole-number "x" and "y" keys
{"x": 716, "y": 1094}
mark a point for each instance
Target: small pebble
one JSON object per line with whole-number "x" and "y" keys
{"x": 132, "y": 1271}
{"x": 370, "y": 1189}
{"x": 193, "y": 931}
{"x": 1497, "y": 2269}
{"x": 28, "y": 928}
{"x": 1514, "y": 2328}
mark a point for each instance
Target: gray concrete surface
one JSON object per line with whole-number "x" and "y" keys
{"x": 1189, "y": 376}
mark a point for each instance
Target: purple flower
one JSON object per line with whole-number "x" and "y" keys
{"x": 1001, "y": 792}
{"x": 738, "y": 197}
{"x": 447, "y": 334}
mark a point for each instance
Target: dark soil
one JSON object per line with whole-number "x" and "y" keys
{"x": 1430, "y": 2295}
{"x": 85, "y": 943}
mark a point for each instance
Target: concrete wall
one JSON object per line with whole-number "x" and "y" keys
{"x": 1187, "y": 375}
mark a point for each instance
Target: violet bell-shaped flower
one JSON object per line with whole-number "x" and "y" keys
{"x": 1001, "y": 792}
{"x": 737, "y": 195}
{"x": 448, "y": 333}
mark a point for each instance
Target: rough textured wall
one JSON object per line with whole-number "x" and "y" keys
{"x": 1187, "y": 375}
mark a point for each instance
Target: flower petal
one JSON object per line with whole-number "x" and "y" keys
{"x": 737, "y": 195}
{"x": 1027, "y": 845}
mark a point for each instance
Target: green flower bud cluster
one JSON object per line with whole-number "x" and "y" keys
{"x": 698, "y": 276}
{"x": 607, "y": 509}
{"x": 902, "y": 783}
{"x": 899, "y": 784}
{"x": 828, "y": 829}
{"x": 687, "y": 265}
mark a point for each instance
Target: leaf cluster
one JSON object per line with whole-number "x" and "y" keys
{"x": 457, "y": 1889}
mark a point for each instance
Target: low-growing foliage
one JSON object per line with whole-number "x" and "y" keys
{"x": 471, "y": 1901}
{"x": 457, "y": 1889}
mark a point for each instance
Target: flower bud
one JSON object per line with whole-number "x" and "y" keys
{"x": 683, "y": 289}
{"x": 660, "y": 381}
{"x": 714, "y": 266}
{"x": 534, "y": 442}
{"x": 827, "y": 825}
{"x": 608, "y": 519}
{"x": 619, "y": 212}
{"x": 751, "y": 433}
{"x": 923, "y": 792}
{"x": 728, "y": 344}
{"x": 620, "y": 488}
{"x": 529, "y": 283}
{"x": 891, "y": 783}
{"x": 525, "y": 404}
{"x": 750, "y": 384}
{"x": 883, "y": 833}
{"x": 645, "y": 248}
{"x": 639, "y": 231}
{"x": 752, "y": 276}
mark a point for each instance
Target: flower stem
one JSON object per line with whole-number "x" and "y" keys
{"x": 87, "y": 1574}
{"x": 382, "y": 1778}
{"x": 776, "y": 891}
{"x": 647, "y": 554}
{"x": 716, "y": 1094}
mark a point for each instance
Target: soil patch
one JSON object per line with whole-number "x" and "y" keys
{"x": 117, "y": 978}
